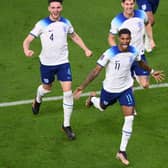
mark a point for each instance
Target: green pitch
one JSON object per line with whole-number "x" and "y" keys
{"x": 28, "y": 141}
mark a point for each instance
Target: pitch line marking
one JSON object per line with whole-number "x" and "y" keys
{"x": 21, "y": 102}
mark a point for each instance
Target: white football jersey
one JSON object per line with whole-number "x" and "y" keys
{"x": 53, "y": 35}
{"x": 135, "y": 24}
{"x": 117, "y": 66}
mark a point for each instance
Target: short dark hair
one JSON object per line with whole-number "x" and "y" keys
{"x": 49, "y": 1}
{"x": 124, "y": 31}
{"x": 125, "y": 0}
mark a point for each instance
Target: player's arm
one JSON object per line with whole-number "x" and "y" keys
{"x": 158, "y": 75}
{"x": 111, "y": 39}
{"x": 26, "y": 45}
{"x": 78, "y": 40}
{"x": 90, "y": 77}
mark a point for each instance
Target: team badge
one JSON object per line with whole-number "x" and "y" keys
{"x": 144, "y": 7}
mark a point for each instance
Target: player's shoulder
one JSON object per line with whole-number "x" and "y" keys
{"x": 132, "y": 49}
{"x": 139, "y": 13}
{"x": 45, "y": 21}
{"x": 120, "y": 16}
{"x": 64, "y": 20}
{"x": 112, "y": 51}
{"x": 119, "y": 19}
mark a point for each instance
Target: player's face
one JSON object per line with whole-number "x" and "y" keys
{"x": 128, "y": 7}
{"x": 124, "y": 41}
{"x": 55, "y": 9}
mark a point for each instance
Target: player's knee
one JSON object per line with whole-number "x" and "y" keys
{"x": 152, "y": 21}
{"x": 145, "y": 85}
{"x": 43, "y": 90}
{"x": 47, "y": 87}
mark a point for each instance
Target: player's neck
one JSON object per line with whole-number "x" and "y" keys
{"x": 54, "y": 19}
{"x": 122, "y": 49}
{"x": 128, "y": 15}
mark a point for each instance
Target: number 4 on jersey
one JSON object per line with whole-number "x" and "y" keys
{"x": 52, "y": 37}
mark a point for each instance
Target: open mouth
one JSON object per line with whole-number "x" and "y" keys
{"x": 124, "y": 45}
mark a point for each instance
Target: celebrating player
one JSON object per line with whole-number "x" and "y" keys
{"x": 117, "y": 85}
{"x": 53, "y": 32}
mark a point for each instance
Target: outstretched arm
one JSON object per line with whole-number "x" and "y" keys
{"x": 78, "y": 40}
{"x": 91, "y": 76}
{"x": 158, "y": 75}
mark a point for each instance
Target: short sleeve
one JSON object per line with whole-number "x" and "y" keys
{"x": 113, "y": 27}
{"x": 104, "y": 59}
{"x": 70, "y": 27}
{"x": 36, "y": 31}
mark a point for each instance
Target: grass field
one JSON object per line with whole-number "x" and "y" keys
{"x": 28, "y": 141}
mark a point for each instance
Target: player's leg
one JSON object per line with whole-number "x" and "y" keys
{"x": 143, "y": 81}
{"x": 47, "y": 78}
{"x": 141, "y": 75}
{"x": 126, "y": 134}
{"x": 93, "y": 100}
{"x": 65, "y": 78}
{"x": 151, "y": 18}
{"x": 101, "y": 102}
{"x": 154, "y": 6}
{"x": 67, "y": 108}
{"x": 148, "y": 43}
{"x": 88, "y": 102}
{"x": 150, "y": 11}
{"x": 148, "y": 8}
{"x": 127, "y": 103}
{"x": 67, "y": 102}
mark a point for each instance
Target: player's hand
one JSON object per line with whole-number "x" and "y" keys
{"x": 29, "y": 53}
{"x": 77, "y": 93}
{"x": 88, "y": 53}
{"x": 158, "y": 75}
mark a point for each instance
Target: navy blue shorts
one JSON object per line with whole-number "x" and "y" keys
{"x": 125, "y": 98}
{"x": 148, "y": 5}
{"x": 136, "y": 69}
{"x": 48, "y": 73}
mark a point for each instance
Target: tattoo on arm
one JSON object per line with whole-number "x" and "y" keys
{"x": 91, "y": 76}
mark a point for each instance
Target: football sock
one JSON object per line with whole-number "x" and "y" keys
{"x": 96, "y": 103}
{"x": 126, "y": 132}
{"x": 40, "y": 93}
{"x": 68, "y": 107}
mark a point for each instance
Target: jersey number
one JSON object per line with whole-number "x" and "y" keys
{"x": 117, "y": 65}
{"x": 52, "y": 37}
